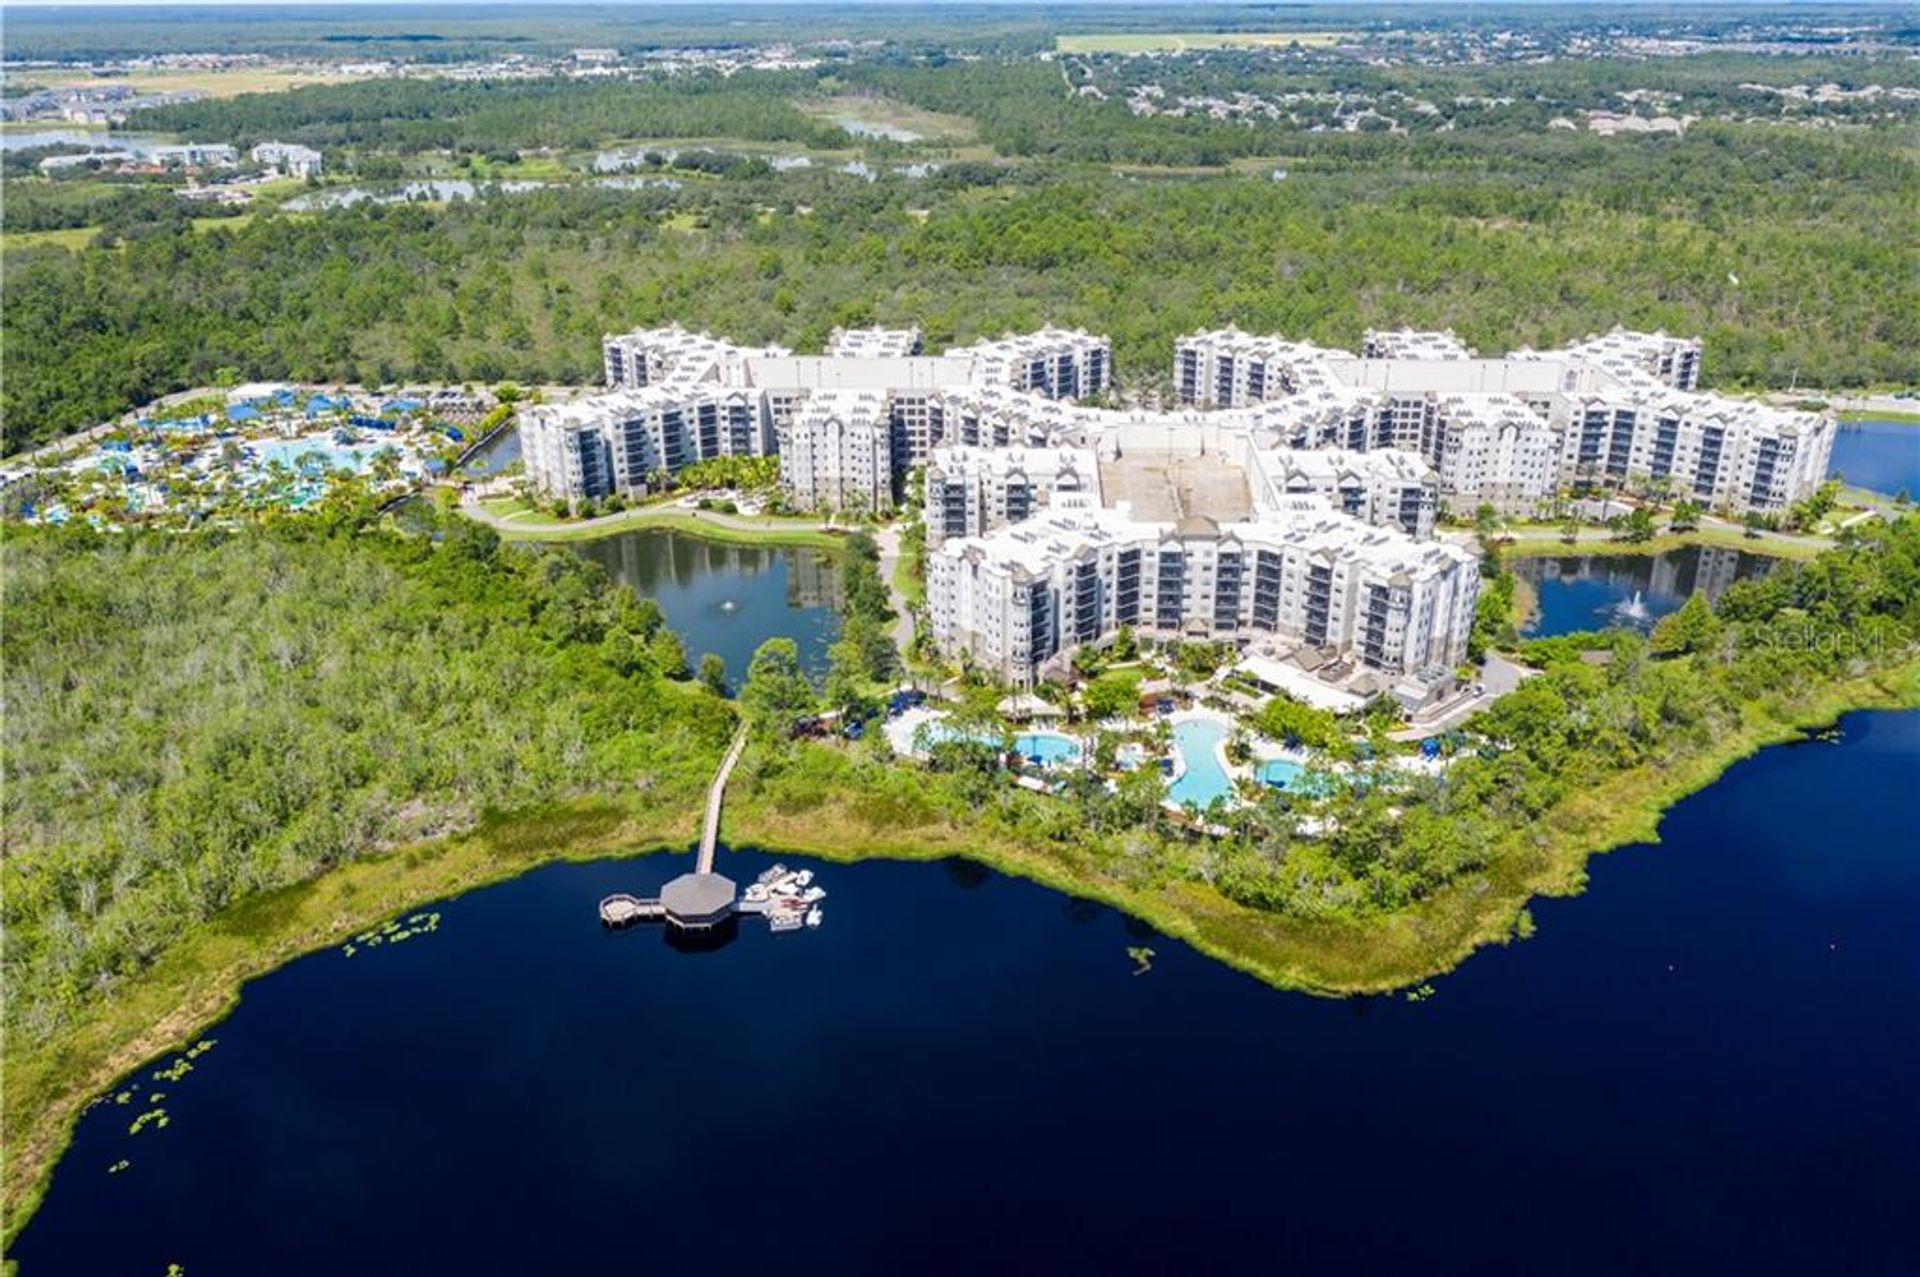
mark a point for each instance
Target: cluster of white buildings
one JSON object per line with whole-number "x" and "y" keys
{"x": 848, "y": 425}
{"x": 1620, "y": 410}
{"x": 1287, "y": 504}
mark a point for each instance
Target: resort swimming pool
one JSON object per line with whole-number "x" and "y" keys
{"x": 1281, "y": 773}
{"x": 1203, "y": 779}
{"x": 1051, "y": 748}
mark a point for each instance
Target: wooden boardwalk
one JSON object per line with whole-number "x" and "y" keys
{"x": 623, "y": 910}
{"x": 716, "y": 796}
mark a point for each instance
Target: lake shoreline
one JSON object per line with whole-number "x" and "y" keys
{"x": 196, "y": 984}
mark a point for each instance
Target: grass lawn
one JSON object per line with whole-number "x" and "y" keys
{"x": 221, "y": 84}
{"x": 234, "y": 223}
{"x": 1179, "y": 41}
{"x": 73, "y": 238}
{"x": 1878, "y": 414}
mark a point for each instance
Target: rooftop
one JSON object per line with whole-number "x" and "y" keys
{"x": 1169, "y": 487}
{"x": 697, "y": 897}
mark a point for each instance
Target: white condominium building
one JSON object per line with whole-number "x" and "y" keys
{"x": 837, "y": 451}
{"x": 622, "y": 441}
{"x": 677, "y": 397}
{"x": 1060, "y": 363}
{"x": 1728, "y": 454}
{"x": 649, "y": 356}
{"x": 1390, "y": 488}
{"x": 1616, "y": 410}
{"x": 195, "y": 155}
{"x": 1228, "y": 368}
{"x": 1412, "y": 343}
{"x": 1672, "y": 361}
{"x": 870, "y": 342}
{"x": 1298, "y": 574}
{"x": 972, "y": 490}
{"x": 1494, "y": 450}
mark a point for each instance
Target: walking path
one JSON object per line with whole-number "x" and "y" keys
{"x": 1543, "y": 539}
{"x": 888, "y": 539}
{"x": 532, "y": 524}
{"x": 716, "y": 795}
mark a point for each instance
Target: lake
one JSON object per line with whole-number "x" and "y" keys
{"x": 1881, "y": 455}
{"x": 495, "y": 457}
{"x": 1706, "y": 1063}
{"x": 1595, "y": 591}
{"x": 95, "y": 139}
{"x": 729, "y": 599}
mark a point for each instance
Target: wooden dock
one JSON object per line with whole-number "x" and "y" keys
{"x": 622, "y": 910}
{"x": 716, "y": 796}
{"x": 696, "y": 901}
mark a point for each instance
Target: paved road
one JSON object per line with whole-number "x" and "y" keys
{"x": 1498, "y": 676}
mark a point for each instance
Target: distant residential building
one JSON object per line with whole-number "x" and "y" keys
{"x": 195, "y": 155}
{"x": 290, "y": 158}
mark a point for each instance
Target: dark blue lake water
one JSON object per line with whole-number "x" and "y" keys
{"x": 1881, "y": 455}
{"x": 1710, "y": 1062}
{"x": 1594, "y": 592}
{"x": 729, "y": 599}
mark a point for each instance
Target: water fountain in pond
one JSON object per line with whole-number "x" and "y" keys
{"x": 1633, "y": 611}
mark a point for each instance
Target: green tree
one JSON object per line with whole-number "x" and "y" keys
{"x": 713, "y": 673}
{"x": 1115, "y": 695}
{"x": 776, "y": 692}
{"x": 846, "y": 685}
{"x": 1486, "y": 521}
{"x": 1692, "y": 627}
